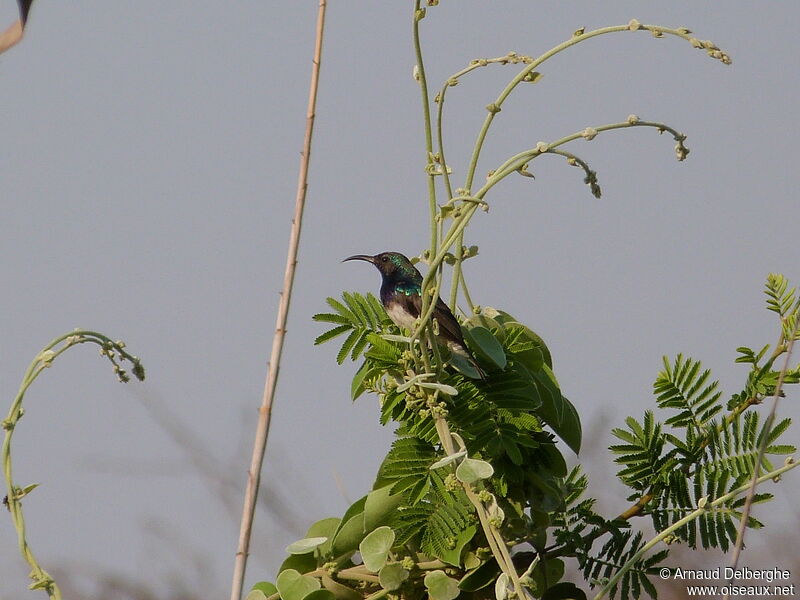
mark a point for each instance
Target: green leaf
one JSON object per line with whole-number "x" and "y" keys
{"x": 341, "y": 309}
{"x": 302, "y": 563}
{"x": 324, "y": 528}
{"x": 382, "y": 349}
{"x": 379, "y": 507}
{"x": 261, "y": 591}
{"x": 479, "y": 578}
{"x": 349, "y": 535}
{"x": 339, "y": 590}
{"x": 266, "y": 587}
{"x": 305, "y": 545}
{"x": 569, "y": 591}
{"x": 447, "y": 390}
{"x": 348, "y": 345}
{"x": 407, "y": 464}
{"x": 391, "y": 577}
{"x": 333, "y": 318}
{"x": 463, "y": 366}
{"x": 440, "y": 586}
{"x": 547, "y": 573}
{"x": 511, "y": 325}
{"x": 375, "y": 548}
{"x": 684, "y": 387}
{"x": 453, "y": 555}
{"x": 531, "y": 358}
{"x": 351, "y": 528}
{"x": 294, "y": 586}
{"x": 357, "y": 386}
{"x": 501, "y": 587}
{"x": 450, "y": 458}
{"x": 558, "y": 412}
{"x": 482, "y": 319}
{"x": 486, "y": 345}
{"x": 319, "y": 595}
{"x": 331, "y": 333}
{"x": 471, "y": 470}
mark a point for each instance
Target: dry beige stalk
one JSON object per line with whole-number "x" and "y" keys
{"x": 265, "y": 411}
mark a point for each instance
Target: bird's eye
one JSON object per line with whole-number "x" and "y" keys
{"x": 384, "y": 259}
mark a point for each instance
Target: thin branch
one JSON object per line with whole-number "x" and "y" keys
{"x": 579, "y": 36}
{"x": 419, "y": 73}
{"x": 790, "y": 464}
{"x": 115, "y": 352}
{"x": 762, "y": 447}
{"x": 265, "y": 410}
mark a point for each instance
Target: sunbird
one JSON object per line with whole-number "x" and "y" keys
{"x": 401, "y": 291}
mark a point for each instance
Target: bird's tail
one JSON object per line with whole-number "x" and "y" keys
{"x": 466, "y": 356}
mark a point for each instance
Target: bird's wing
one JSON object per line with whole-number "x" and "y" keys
{"x": 449, "y": 329}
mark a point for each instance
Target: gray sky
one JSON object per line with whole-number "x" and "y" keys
{"x": 147, "y": 169}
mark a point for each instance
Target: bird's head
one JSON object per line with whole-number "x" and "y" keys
{"x": 390, "y": 264}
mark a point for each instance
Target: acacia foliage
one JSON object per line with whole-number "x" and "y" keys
{"x": 418, "y": 533}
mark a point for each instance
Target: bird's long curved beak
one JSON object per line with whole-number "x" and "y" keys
{"x": 364, "y": 257}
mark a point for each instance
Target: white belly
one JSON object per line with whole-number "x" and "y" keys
{"x": 400, "y": 317}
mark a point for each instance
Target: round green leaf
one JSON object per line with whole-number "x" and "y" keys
{"x": 375, "y": 548}
{"x": 471, "y": 470}
{"x": 501, "y": 587}
{"x": 305, "y": 545}
{"x": 440, "y": 586}
{"x": 256, "y": 595}
{"x": 324, "y": 528}
{"x": 302, "y": 563}
{"x": 264, "y": 586}
{"x": 392, "y": 576}
{"x": 471, "y": 561}
{"x": 294, "y": 586}
{"x": 319, "y": 595}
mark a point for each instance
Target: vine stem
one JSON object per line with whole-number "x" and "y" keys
{"x": 762, "y": 447}
{"x": 790, "y": 464}
{"x": 265, "y": 410}
{"x": 419, "y": 14}
{"x": 575, "y": 39}
{"x": 434, "y": 273}
{"x": 493, "y": 537}
{"x": 115, "y": 352}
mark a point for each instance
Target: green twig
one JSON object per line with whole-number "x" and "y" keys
{"x": 578, "y": 36}
{"x": 115, "y": 352}
{"x": 762, "y": 447}
{"x": 419, "y": 72}
{"x": 612, "y": 582}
